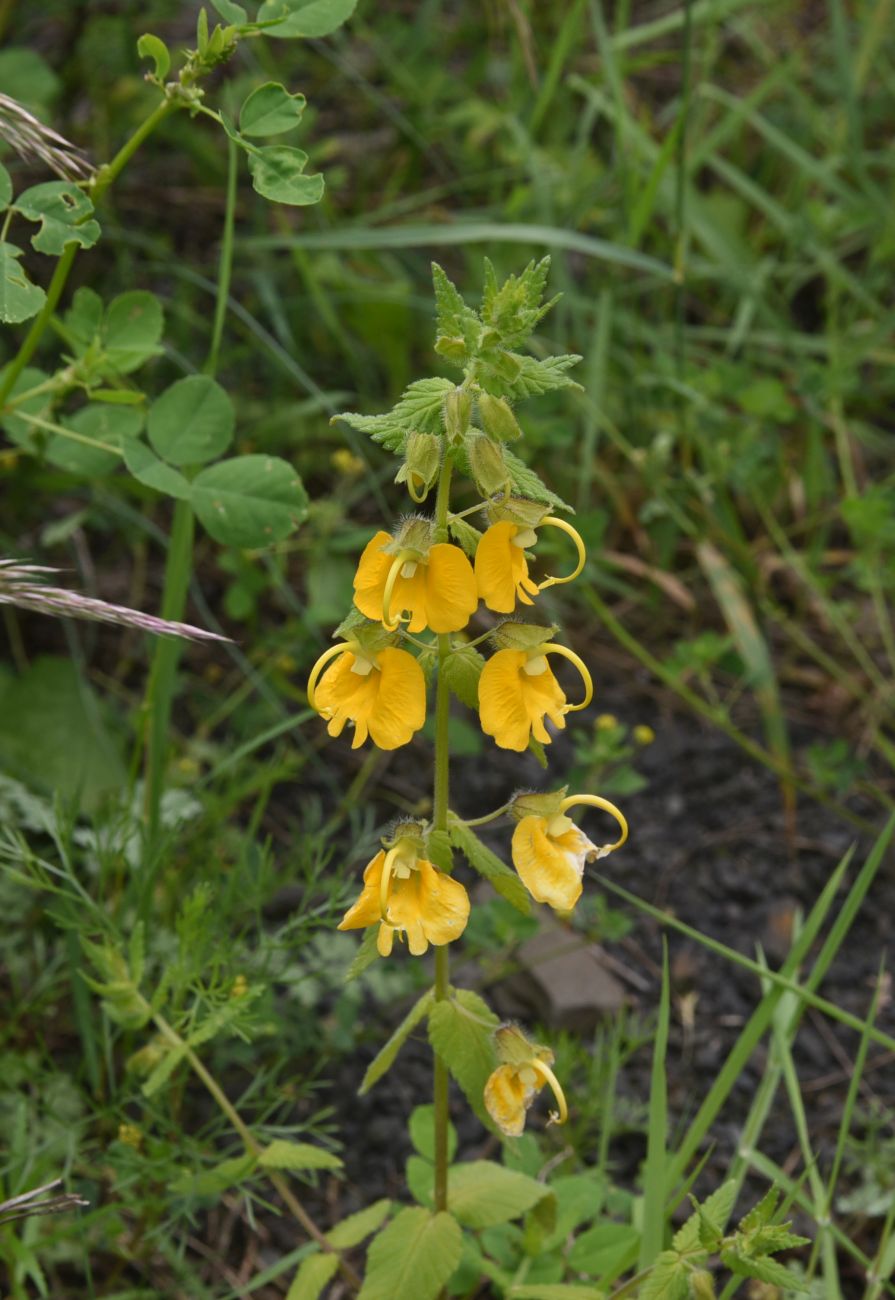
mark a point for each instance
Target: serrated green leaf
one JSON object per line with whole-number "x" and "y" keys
{"x": 603, "y": 1248}
{"x": 281, "y": 1154}
{"x": 63, "y": 212}
{"x": 420, "y": 408}
{"x": 313, "y": 1273}
{"x": 488, "y": 864}
{"x": 147, "y": 468}
{"x": 764, "y": 1269}
{"x": 413, "y": 1257}
{"x": 462, "y": 669}
{"x": 367, "y": 953}
{"x": 270, "y": 110}
{"x": 192, "y": 421}
{"x": 533, "y": 378}
{"x": 761, "y": 1213}
{"x": 716, "y": 1209}
{"x": 482, "y": 1194}
{"x": 385, "y": 1057}
{"x": 278, "y": 174}
{"x": 211, "y": 1182}
{"x": 5, "y": 187}
{"x": 20, "y": 299}
{"x": 461, "y": 1032}
{"x": 352, "y": 1230}
{"x": 250, "y": 501}
{"x": 439, "y": 850}
{"x": 308, "y": 18}
{"x": 467, "y": 536}
{"x": 151, "y": 47}
{"x": 527, "y": 484}
{"x": 667, "y": 1279}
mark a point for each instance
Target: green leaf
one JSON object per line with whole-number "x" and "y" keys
{"x": 147, "y": 468}
{"x": 419, "y": 1174}
{"x": 760, "y": 1214}
{"x": 385, "y": 1057}
{"x": 5, "y": 187}
{"x": 461, "y": 1032}
{"x": 27, "y": 77}
{"x": 422, "y": 1132}
{"x": 281, "y": 1154}
{"x": 603, "y": 1248}
{"x": 41, "y": 711}
{"x": 537, "y": 377}
{"x": 231, "y": 12}
{"x": 250, "y": 501}
{"x": 367, "y": 953}
{"x": 482, "y": 1194}
{"x": 132, "y": 329}
{"x": 63, "y": 211}
{"x": 421, "y": 408}
{"x": 84, "y": 318}
{"x": 413, "y": 1257}
{"x": 192, "y": 421}
{"x": 352, "y": 1230}
{"x": 667, "y": 1279}
{"x": 113, "y": 425}
{"x": 438, "y": 847}
{"x": 765, "y": 1269}
{"x": 313, "y": 1273}
{"x": 162, "y": 1072}
{"x": 270, "y": 110}
{"x": 151, "y": 47}
{"x": 20, "y": 299}
{"x": 527, "y": 483}
{"x": 462, "y": 670}
{"x": 467, "y": 536}
{"x": 211, "y": 1182}
{"x": 555, "y": 1291}
{"x": 716, "y": 1210}
{"x": 278, "y": 174}
{"x": 489, "y": 865}
{"x": 309, "y": 18}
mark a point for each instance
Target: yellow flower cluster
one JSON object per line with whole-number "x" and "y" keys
{"x": 410, "y": 582}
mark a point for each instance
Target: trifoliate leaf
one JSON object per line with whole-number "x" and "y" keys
{"x": 111, "y": 425}
{"x": 148, "y": 469}
{"x": 278, "y": 174}
{"x": 309, "y": 18}
{"x": 192, "y": 421}
{"x": 489, "y": 865}
{"x": 63, "y": 211}
{"x": 132, "y": 329}
{"x": 461, "y": 1032}
{"x": 413, "y": 1257}
{"x": 271, "y": 110}
{"x": 249, "y": 501}
{"x": 20, "y": 299}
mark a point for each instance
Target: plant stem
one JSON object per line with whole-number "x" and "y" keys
{"x": 226, "y": 263}
{"x": 439, "y": 822}
{"x": 251, "y": 1144}
{"x": 104, "y": 178}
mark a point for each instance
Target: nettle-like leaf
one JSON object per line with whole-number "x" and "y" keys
{"x": 278, "y": 174}
{"x": 764, "y": 1269}
{"x": 489, "y": 865}
{"x": 715, "y": 1212}
{"x": 64, "y": 213}
{"x": 413, "y": 1257}
{"x": 482, "y": 1194}
{"x": 461, "y": 1033}
{"x": 385, "y": 1057}
{"x": 513, "y": 309}
{"x": 270, "y": 110}
{"x": 420, "y": 408}
{"x": 307, "y": 18}
{"x": 462, "y": 669}
{"x": 527, "y": 483}
{"x": 458, "y": 328}
{"x": 534, "y": 377}
{"x": 668, "y": 1279}
{"x": 465, "y": 535}
{"x": 20, "y": 298}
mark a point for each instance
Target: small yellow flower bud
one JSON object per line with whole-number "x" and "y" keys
{"x": 606, "y": 722}
{"x": 643, "y": 734}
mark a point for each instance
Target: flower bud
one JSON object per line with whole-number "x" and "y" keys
{"x": 422, "y": 461}
{"x": 522, "y": 636}
{"x": 498, "y": 418}
{"x": 702, "y": 1287}
{"x": 529, "y": 803}
{"x": 488, "y": 465}
{"x": 457, "y": 410}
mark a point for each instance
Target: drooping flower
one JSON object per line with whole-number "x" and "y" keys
{"x": 517, "y": 690}
{"x": 382, "y": 692}
{"x": 501, "y": 567}
{"x": 407, "y": 895}
{"x": 434, "y": 582}
{"x": 549, "y": 850}
{"x": 513, "y": 1086}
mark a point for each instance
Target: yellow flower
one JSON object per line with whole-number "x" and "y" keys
{"x": 437, "y": 587}
{"x": 513, "y": 1086}
{"x": 517, "y": 690}
{"x": 407, "y": 895}
{"x": 501, "y": 569}
{"x": 643, "y": 734}
{"x": 382, "y": 694}
{"x": 550, "y": 852}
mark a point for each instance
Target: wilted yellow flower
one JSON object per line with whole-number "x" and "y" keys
{"x": 436, "y": 584}
{"x": 383, "y": 694}
{"x": 501, "y": 569}
{"x": 517, "y": 690}
{"x": 513, "y": 1086}
{"x": 549, "y": 852}
{"x": 406, "y": 894}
